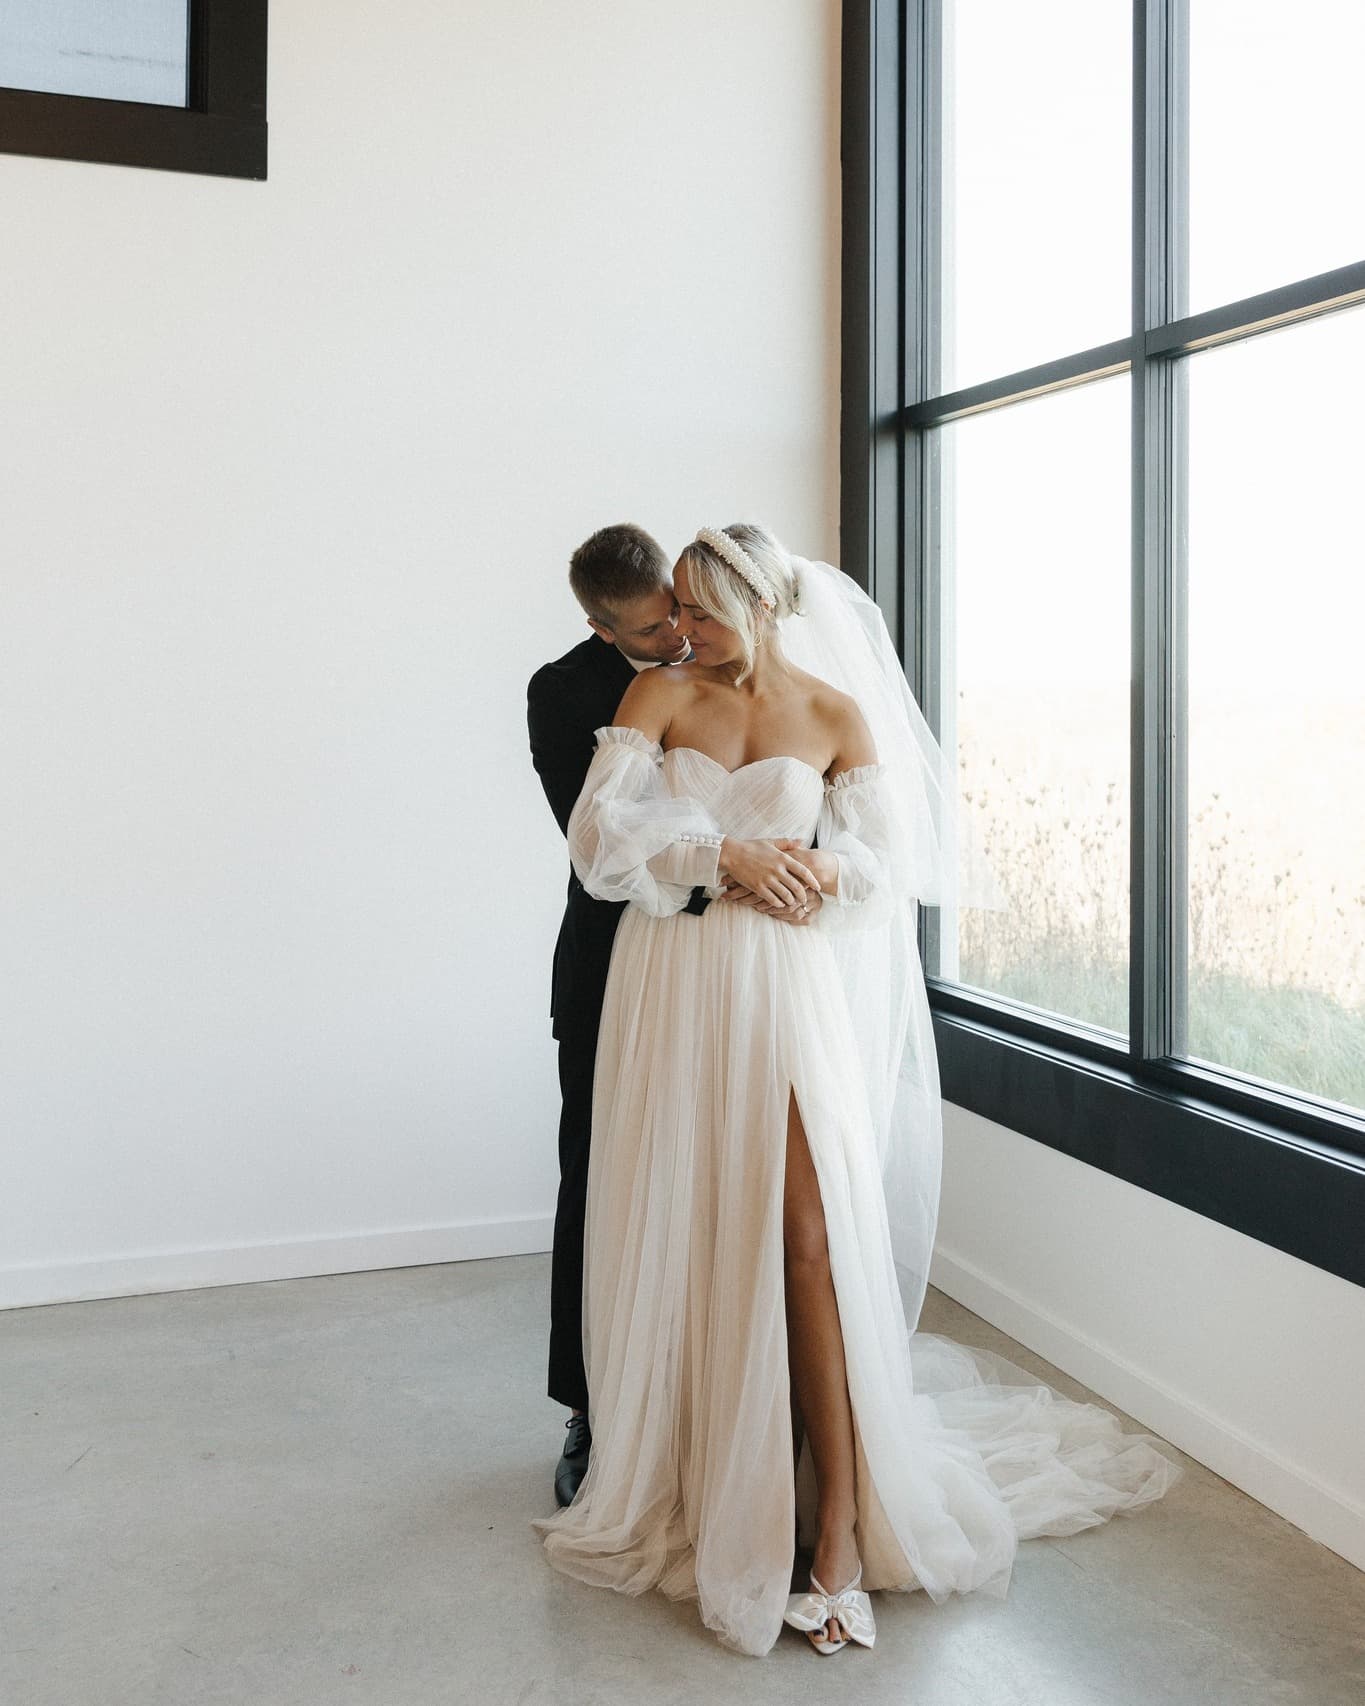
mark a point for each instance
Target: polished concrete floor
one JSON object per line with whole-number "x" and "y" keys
{"x": 319, "y": 1491}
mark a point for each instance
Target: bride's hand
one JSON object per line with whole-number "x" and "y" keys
{"x": 770, "y": 870}
{"x": 824, "y": 865}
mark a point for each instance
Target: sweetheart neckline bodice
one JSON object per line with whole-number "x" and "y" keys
{"x": 753, "y": 763}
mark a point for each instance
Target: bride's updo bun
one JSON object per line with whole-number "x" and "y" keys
{"x": 742, "y": 577}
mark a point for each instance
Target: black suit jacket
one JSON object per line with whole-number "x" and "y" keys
{"x": 566, "y": 702}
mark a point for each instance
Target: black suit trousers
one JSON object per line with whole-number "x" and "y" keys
{"x": 568, "y": 1383}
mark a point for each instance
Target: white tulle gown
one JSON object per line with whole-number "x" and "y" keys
{"x": 710, "y": 1023}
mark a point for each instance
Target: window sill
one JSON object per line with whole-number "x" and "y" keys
{"x": 1300, "y": 1193}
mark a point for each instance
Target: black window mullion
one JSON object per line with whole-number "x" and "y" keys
{"x": 873, "y": 292}
{"x": 1143, "y": 1023}
{"x": 938, "y": 408}
{"x": 922, "y": 574}
{"x": 1175, "y": 474}
{"x": 1268, "y": 311}
{"x": 888, "y": 142}
{"x": 1157, "y": 900}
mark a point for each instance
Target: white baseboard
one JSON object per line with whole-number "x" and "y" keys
{"x": 245, "y": 1264}
{"x": 1291, "y": 1491}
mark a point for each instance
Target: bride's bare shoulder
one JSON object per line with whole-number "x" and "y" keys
{"x": 660, "y": 686}
{"x": 651, "y": 701}
{"x": 830, "y": 705}
{"x": 844, "y": 724}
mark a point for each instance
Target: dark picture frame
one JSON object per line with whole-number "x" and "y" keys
{"x": 221, "y": 131}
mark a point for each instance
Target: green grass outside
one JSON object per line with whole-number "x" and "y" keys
{"x": 1300, "y": 1038}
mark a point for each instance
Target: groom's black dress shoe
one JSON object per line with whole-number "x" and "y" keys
{"x": 573, "y": 1462}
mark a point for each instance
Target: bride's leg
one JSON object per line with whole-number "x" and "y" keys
{"x": 816, "y": 1356}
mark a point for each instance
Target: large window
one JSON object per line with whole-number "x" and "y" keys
{"x": 177, "y": 84}
{"x": 1102, "y": 470}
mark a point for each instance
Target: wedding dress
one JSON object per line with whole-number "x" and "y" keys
{"x": 710, "y": 1024}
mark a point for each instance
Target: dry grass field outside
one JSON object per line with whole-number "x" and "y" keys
{"x": 1276, "y": 903}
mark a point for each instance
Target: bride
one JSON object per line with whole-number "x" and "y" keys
{"x": 766, "y": 1141}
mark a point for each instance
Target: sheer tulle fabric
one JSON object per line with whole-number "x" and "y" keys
{"x": 710, "y": 1025}
{"x": 930, "y": 854}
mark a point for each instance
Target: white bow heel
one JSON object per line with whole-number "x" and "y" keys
{"x": 849, "y": 1608}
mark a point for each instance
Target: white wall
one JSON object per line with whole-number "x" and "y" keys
{"x": 290, "y": 474}
{"x": 1250, "y": 1360}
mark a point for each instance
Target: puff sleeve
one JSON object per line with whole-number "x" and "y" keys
{"x": 855, "y": 824}
{"x": 629, "y": 838}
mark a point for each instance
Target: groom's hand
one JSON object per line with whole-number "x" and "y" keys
{"x": 796, "y": 914}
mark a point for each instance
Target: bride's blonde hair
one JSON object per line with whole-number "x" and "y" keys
{"x": 729, "y": 596}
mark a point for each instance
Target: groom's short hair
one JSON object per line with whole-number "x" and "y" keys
{"x": 617, "y": 565}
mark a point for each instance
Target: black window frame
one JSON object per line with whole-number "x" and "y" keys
{"x": 1285, "y": 1169}
{"x": 220, "y": 132}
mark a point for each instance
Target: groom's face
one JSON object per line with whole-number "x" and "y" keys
{"x": 645, "y": 628}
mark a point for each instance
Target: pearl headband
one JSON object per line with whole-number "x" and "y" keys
{"x": 740, "y": 561}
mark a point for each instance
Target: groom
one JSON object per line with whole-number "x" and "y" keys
{"x": 623, "y": 581}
